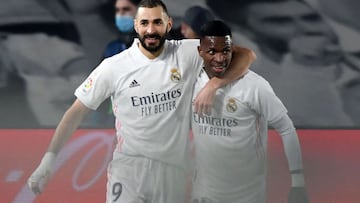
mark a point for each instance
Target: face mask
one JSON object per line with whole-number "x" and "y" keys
{"x": 124, "y": 23}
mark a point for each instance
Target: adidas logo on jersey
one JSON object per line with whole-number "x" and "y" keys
{"x": 134, "y": 83}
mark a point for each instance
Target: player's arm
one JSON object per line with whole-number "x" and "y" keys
{"x": 239, "y": 66}
{"x": 67, "y": 126}
{"x": 286, "y": 129}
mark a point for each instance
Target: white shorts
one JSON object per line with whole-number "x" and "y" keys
{"x": 205, "y": 192}
{"x": 134, "y": 179}
{"x": 202, "y": 198}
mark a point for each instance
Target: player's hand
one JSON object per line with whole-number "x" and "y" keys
{"x": 40, "y": 177}
{"x": 298, "y": 195}
{"x": 204, "y": 100}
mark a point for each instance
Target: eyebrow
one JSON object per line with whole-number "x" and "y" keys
{"x": 157, "y": 20}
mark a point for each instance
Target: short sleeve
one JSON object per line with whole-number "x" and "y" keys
{"x": 97, "y": 86}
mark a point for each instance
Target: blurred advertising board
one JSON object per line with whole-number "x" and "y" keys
{"x": 330, "y": 158}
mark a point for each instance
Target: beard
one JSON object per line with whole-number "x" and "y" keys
{"x": 153, "y": 47}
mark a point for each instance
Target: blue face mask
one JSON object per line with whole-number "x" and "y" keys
{"x": 124, "y": 23}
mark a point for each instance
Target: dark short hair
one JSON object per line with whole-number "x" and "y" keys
{"x": 135, "y": 2}
{"x": 196, "y": 16}
{"x": 215, "y": 28}
{"x": 152, "y": 4}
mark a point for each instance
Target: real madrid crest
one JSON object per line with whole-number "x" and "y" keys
{"x": 231, "y": 105}
{"x": 175, "y": 75}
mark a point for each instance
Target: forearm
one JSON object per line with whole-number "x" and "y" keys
{"x": 67, "y": 126}
{"x": 292, "y": 149}
{"x": 239, "y": 66}
{"x": 293, "y": 155}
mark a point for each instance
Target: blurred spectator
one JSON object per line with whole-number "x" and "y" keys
{"x": 91, "y": 20}
{"x": 345, "y": 11}
{"x": 310, "y": 71}
{"x": 50, "y": 73}
{"x": 125, "y": 11}
{"x": 193, "y": 19}
{"x": 15, "y": 111}
{"x": 178, "y": 8}
{"x": 302, "y": 53}
{"x": 297, "y": 53}
{"x": 342, "y": 17}
{"x": 123, "y": 18}
{"x": 43, "y": 59}
{"x": 270, "y": 24}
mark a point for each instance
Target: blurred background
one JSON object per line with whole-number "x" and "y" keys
{"x": 309, "y": 51}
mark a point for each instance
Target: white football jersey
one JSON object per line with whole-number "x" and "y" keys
{"x": 151, "y": 98}
{"x": 231, "y": 143}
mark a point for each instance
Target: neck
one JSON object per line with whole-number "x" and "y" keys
{"x": 208, "y": 74}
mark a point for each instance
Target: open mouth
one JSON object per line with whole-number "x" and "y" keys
{"x": 151, "y": 40}
{"x": 218, "y": 68}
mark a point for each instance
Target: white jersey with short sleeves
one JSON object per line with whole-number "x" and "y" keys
{"x": 231, "y": 143}
{"x": 151, "y": 98}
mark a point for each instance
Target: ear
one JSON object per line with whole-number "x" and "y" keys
{"x": 201, "y": 53}
{"x": 169, "y": 24}
{"x": 136, "y": 25}
{"x": 182, "y": 28}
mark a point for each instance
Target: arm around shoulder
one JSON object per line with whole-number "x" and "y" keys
{"x": 239, "y": 66}
{"x": 242, "y": 57}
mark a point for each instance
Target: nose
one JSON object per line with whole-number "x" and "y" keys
{"x": 219, "y": 57}
{"x": 150, "y": 28}
{"x": 120, "y": 12}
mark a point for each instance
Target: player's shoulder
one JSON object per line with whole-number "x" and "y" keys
{"x": 111, "y": 61}
{"x": 252, "y": 76}
{"x": 116, "y": 64}
{"x": 178, "y": 42}
{"x": 183, "y": 43}
{"x": 253, "y": 79}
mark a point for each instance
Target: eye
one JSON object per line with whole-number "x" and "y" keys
{"x": 143, "y": 23}
{"x": 211, "y": 52}
{"x": 158, "y": 22}
{"x": 126, "y": 9}
{"x": 226, "y": 51}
